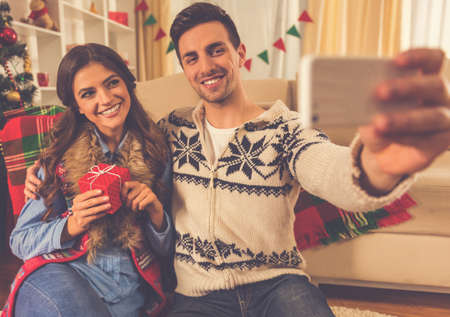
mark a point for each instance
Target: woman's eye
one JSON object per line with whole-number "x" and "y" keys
{"x": 113, "y": 83}
{"x": 87, "y": 94}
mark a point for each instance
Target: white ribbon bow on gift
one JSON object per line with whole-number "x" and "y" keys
{"x": 98, "y": 172}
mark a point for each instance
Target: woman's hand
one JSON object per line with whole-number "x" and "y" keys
{"x": 139, "y": 197}
{"x": 86, "y": 208}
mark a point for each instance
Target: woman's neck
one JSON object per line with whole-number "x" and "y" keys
{"x": 112, "y": 138}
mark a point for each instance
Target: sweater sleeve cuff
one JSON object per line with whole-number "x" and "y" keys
{"x": 58, "y": 233}
{"x": 405, "y": 183}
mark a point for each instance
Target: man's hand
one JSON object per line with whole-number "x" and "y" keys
{"x": 139, "y": 197}
{"x": 32, "y": 182}
{"x": 401, "y": 143}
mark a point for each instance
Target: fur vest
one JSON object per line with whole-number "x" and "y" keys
{"x": 120, "y": 229}
{"x": 123, "y": 228}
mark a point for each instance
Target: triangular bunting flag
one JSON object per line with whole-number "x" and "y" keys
{"x": 280, "y": 45}
{"x": 293, "y": 31}
{"x": 304, "y": 17}
{"x": 264, "y": 56}
{"x": 160, "y": 34}
{"x": 150, "y": 20}
{"x": 141, "y": 6}
{"x": 170, "y": 48}
{"x": 248, "y": 64}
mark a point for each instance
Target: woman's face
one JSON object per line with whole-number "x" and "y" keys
{"x": 102, "y": 97}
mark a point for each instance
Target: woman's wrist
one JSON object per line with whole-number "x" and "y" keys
{"x": 69, "y": 232}
{"x": 156, "y": 214}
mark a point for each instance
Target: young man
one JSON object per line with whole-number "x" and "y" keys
{"x": 238, "y": 170}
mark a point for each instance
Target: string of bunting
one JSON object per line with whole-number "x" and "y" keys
{"x": 151, "y": 20}
{"x": 264, "y": 55}
{"x": 279, "y": 43}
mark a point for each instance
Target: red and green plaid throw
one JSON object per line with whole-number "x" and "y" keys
{"x": 22, "y": 139}
{"x": 317, "y": 221}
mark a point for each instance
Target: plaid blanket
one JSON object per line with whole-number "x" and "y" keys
{"x": 22, "y": 140}
{"x": 317, "y": 222}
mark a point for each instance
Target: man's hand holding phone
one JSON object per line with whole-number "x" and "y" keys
{"x": 403, "y": 142}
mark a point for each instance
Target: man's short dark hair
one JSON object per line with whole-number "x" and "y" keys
{"x": 198, "y": 13}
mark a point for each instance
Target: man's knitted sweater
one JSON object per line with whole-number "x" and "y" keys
{"x": 234, "y": 218}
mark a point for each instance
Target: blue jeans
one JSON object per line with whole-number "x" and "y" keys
{"x": 284, "y": 296}
{"x": 58, "y": 290}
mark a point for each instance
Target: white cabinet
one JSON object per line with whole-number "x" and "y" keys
{"x": 76, "y": 25}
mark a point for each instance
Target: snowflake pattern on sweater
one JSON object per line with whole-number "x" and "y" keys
{"x": 235, "y": 215}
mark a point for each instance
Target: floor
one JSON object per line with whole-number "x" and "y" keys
{"x": 399, "y": 303}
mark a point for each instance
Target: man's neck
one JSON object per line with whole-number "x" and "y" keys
{"x": 231, "y": 113}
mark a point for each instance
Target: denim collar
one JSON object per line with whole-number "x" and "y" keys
{"x": 111, "y": 156}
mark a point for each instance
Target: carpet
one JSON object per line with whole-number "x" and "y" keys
{"x": 353, "y": 312}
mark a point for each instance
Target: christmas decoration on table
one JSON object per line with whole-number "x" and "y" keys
{"x": 142, "y": 6}
{"x": 119, "y": 17}
{"x": 108, "y": 178}
{"x": 150, "y": 20}
{"x": 16, "y": 80}
{"x": 160, "y": 34}
{"x": 92, "y": 8}
{"x": 42, "y": 79}
{"x": 39, "y": 15}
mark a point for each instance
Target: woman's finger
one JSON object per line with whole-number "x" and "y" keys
{"x": 88, "y": 195}
{"x": 87, "y": 204}
{"x": 144, "y": 199}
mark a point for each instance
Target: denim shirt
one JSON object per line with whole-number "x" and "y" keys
{"x": 113, "y": 274}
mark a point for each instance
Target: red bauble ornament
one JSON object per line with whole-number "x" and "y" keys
{"x": 7, "y": 36}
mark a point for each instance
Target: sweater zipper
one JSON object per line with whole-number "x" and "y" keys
{"x": 212, "y": 199}
{"x": 212, "y": 221}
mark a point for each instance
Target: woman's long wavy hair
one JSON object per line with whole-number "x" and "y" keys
{"x": 67, "y": 128}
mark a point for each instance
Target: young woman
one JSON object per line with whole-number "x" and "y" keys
{"x": 80, "y": 260}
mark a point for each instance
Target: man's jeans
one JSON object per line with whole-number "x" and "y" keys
{"x": 58, "y": 290}
{"x": 284, "y": 296}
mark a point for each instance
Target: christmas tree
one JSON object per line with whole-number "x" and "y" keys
{"x": 16, "y": 79}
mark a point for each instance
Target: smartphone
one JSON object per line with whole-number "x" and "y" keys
{"x": 340, "y": 91}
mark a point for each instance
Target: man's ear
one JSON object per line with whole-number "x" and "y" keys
{"x": 242, "y": 52}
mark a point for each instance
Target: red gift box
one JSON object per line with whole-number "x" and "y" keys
{"x": 118, "y": 16}
{"x": 108, "y": 178}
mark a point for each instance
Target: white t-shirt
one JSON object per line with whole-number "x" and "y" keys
{"x": 218, "y": 139}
